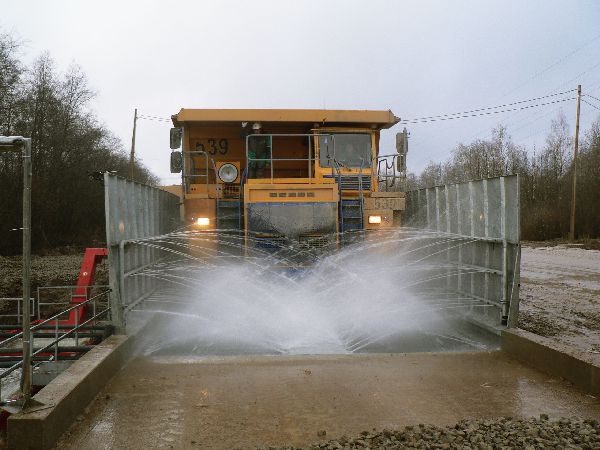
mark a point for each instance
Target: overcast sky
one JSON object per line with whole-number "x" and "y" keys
{"x": 417, "y": 58}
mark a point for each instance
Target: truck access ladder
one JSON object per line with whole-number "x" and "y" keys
{"x": 229, "y": 204}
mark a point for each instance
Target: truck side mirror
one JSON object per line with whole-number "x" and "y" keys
{"x": 175, "y": 138}
{"x": 402, "y": 150}
{"x": 176, "y": 162}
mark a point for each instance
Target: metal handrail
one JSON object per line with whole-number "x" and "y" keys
{"x": 387, "y": 176}
{"x": 310, "y": 158}
{"x": 376, "y": 161}
{"x": 19, "y": 301}
{"x": 71, "y": 288}
{"x": 57, "y": 338}
{"x": 217, "y": 188}
{"x": 360, "y": 193}
{"x": 45, "y": 321}
{"x": 243, "y": 178}
{"x": 341, "y": 198}
{"x": 184, "y": 176}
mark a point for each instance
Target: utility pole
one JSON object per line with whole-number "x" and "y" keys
{"x": 574, "y": 189}
{"x": 132, "y": 155}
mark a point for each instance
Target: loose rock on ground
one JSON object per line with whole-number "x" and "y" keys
{"x": 500, "y": 433}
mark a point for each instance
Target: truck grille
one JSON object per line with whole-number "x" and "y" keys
{"x": 352, "y": 182}
{"x": 313, "y": 241}
{"x": 270, "y": 241}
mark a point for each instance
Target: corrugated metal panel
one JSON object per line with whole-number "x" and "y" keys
{"x": 475, "y": 236}
{"x": 135, "y": 214}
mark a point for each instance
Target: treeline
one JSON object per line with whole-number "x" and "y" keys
{"x": 546, "y": 177}
{"x": 68, "y": 144}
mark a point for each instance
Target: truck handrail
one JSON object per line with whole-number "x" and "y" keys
{"x": 184, "y": 175}
{"x": 311, "y": 157}
{"x": 385, "y": 177}
{"x": 270, "y": 159}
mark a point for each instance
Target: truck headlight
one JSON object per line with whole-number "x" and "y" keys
{"x": 203, "y": 221}
{"x": 228, "y": 173}
{"x": 374, "y": 219}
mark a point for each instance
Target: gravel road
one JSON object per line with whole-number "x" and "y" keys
{"x": 560, "y": 295}
{"x": 502, "y": 433}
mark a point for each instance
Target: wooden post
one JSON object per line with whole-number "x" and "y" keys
{"x": 132, "y": 155}
{"x": 574, "y": 189}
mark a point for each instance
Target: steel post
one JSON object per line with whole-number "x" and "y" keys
{"x": 16, "y": 143}
{"x": 26, "y": 376}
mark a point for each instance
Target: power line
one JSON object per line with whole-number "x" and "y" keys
{"x": 551, "y": 66}
{"x": 592, "y": 86}
{"x": 148, "y": 117}
{"x": 595, "y": 107}
{"x": 492, "y": 107}
{"x": 155, "y": 117}
{"x": 156, "y": 120}
{"x": 578, "y": 76}
{"x": 539, "y": 117}
{"x": 591, "y": 96}
{"x": 520, "y": 122}
{"x": 554, "y": 64}
{"x": 487, "y": 113}
{"x": 527, "y": 124}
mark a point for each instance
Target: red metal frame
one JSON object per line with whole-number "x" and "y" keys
{"x": 91, "y": 258}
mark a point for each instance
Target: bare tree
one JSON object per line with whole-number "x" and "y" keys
{"x": 545, "y": 177}
{"x": 67, "y": 144}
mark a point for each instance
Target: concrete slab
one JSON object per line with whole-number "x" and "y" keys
{"x": 67, "y": 395}
{"x": 555, "y": 358}
{"x": 171, "y": 402}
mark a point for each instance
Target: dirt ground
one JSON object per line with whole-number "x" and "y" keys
{"x": 560, "y": 294}
{"x": 50, "y": 270}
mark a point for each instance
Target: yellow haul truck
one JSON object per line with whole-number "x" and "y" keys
{"x": 285, "y": 175}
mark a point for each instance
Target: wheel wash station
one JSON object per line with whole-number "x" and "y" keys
{"x": 256, "y": 183}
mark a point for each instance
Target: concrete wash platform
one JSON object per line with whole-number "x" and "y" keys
{"x": 260, "y": 401}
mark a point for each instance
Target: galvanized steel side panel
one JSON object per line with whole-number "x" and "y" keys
{"x": 475, "y": 237}
{"x": 135, "y": 215}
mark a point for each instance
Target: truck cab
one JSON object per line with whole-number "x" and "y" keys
{"x": 307, "y": 177}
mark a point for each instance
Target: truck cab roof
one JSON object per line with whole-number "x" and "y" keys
{"x": 318, "y": 117}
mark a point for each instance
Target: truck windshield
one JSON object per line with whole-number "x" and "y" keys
{"x": 348, "y": 150}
